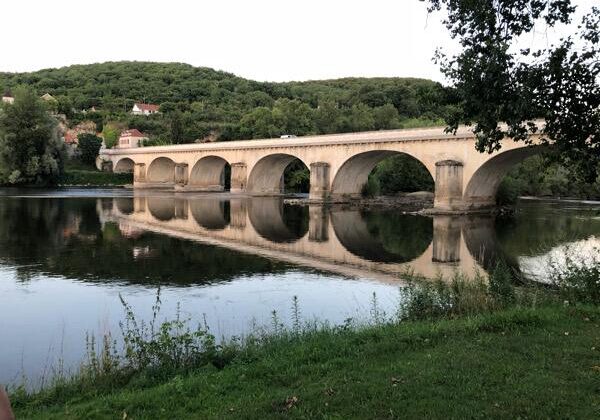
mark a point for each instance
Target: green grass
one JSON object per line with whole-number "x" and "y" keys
{"x": 512, "y": 363}
{"x": 94, "y": 178}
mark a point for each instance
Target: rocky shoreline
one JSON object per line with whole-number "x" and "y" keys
{"x": 406, "y": 203}
{"x": 420, "y": 202}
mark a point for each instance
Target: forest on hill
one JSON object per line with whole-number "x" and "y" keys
{"x": 199, "y": 103}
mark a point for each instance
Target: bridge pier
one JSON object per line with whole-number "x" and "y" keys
{"x": 319, "y": 181}
{"x": 239, "y": 177}
{"x": 181, "y": 175}
{"x": 139, "y": 174}
{"x": 448, "y": 186}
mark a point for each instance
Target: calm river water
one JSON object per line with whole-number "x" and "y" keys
{"x": 67, "y": 255}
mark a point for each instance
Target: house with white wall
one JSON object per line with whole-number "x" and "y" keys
{"x": 131, "y": 138}
{"x": 145, "y": 109}
{"x": 7, "y": 97}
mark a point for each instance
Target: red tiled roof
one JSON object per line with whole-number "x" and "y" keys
{"x": 71, "y": 137}
{"x": 134, "y": 132}
{"x": 148, "y": 107}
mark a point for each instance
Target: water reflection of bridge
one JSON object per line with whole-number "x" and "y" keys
{"x": 333, "y": 240}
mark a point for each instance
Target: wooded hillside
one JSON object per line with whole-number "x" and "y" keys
{"x": 197, "y": 102}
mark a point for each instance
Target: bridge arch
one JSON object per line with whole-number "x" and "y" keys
{"x": 210, "y": 173}
{"x": 354, "y": 172}
{"x": 482, "y": 186}
{"x": 267, "y": 174}
{"x": 124, "y": 165}
{"x": 161, "y": 170}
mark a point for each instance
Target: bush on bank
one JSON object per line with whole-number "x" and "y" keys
{"x": 95, "y": 178}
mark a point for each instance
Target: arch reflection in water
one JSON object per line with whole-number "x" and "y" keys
{"x": 276, "y": 221}
{"x": 125, "y": 205}
{"x": 212, "y": 214}
{"x": 167, "y": 208}
{"x": 383, "y": 237}
{"x": 349, "y": 242}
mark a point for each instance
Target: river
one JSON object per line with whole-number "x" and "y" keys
{"x": 67, "y": 255}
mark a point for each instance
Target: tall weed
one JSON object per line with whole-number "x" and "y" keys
{"x": 577, "y": 280}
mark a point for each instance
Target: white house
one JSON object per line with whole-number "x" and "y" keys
{"x": 7, "y": 98}
{"x": 144, "y": 109}
{"x": 131, "y": 138}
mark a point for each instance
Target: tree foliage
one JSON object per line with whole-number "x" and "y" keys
{"x": 402, "y": 173}
{"x": 498, "y": 81}
{"x": 543, "y": 175}
{"x": 176, "y": 126}
{"x": 31, "y": 151}
{"x": 88, "y": 147}
{"x": 111, "y": 133}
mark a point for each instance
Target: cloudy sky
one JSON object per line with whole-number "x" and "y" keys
{"x": 275, "y": 40}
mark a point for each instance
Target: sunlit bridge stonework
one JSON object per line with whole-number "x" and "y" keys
{"x": 339, "y": 164}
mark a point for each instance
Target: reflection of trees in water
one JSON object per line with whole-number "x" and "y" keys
{"x": 296, "y": 219}
{"x": 481, "y": 241}
{"x": 541, "y": 227}
{"x": 65, "y": 237}
{"x": 405, "y": 236}
{"x": 32, "y": 230}
{"x": 33, "y": 227}
{"x": 153, "y": 258}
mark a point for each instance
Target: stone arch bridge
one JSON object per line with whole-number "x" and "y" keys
{"x": 339, "y": 164}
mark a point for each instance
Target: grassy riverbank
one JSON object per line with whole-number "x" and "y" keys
{"x": 460, "y": 348}
{"x": 520, "y": 362}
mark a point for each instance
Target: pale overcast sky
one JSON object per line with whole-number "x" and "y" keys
{"x": 275, "y": 40}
